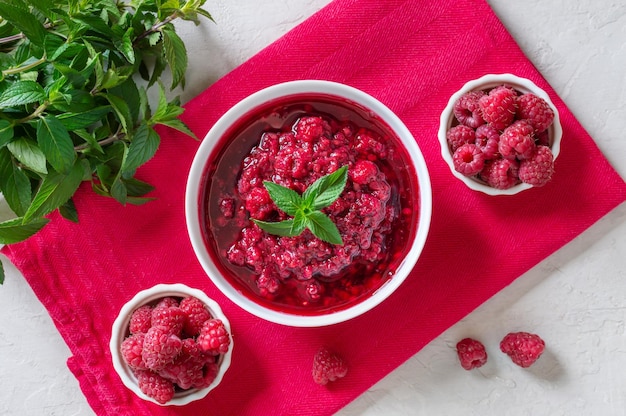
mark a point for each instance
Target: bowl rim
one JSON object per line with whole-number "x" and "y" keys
{"x": 485, "y": 82}
{"x": 245, "y": 106}
{"x": 119, "y": 330}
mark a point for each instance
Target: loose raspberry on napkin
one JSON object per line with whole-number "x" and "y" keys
{"x": 410, "y": 54}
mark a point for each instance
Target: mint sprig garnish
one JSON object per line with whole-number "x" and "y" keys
{"x": 306, "y": 208}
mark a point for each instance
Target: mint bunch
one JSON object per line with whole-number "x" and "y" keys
{"x": 74, "y": 107}
{"x": 306, "y": 208}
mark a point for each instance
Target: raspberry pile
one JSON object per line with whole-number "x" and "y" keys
{"x": 501, "y": 137}
{"x": 174, "y": 345}
{"x": 328, "y": 366}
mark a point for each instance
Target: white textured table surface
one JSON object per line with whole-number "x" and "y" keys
{"x": 575, "y": 299}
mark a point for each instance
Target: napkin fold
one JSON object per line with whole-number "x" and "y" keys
{"x": 411, "y": 55}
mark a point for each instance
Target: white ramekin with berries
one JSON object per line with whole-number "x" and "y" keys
{"x": 500, "y": 134}
{"x": 171, "y": 344}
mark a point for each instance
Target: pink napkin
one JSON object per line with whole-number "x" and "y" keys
{"x": 410, "y": 54}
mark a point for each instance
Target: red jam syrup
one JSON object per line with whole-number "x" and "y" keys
{"x": 293, "y": 142}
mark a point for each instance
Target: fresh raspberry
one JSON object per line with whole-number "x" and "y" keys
{"x": 155, "y": 386}
{"x": 468, "y": 159}
{"x": 539, "y": 168}
{"x": 501, "y": 173}
{"x": 467, "y": 111}
{"x": 487, "y": 138}
{"x": 499, "y": 106}
{"x": 167, "y": 302}
{"x": 471, "y": 353}
{"x": 517, "y": 141}
{"x": 363, "y": 172}
{"x": 170, "y": 320}
{"x": 140, "y": 320}
{"x": 214, "y": 337}
{"x": 523, "y": 348}
{"x": 536, "y": 110}
{"x": 131, "y": 349}
{"x": 209, "y": 372}
{"x": 459, "y": 135}
{"x": 259, "y": 203}
{"x": 328, "y": 366}
{"x": 310, "y": 128}
{"x": 160, "y": 348}
{"x": 187, "y": 368}
{"x": 195, "y": 313}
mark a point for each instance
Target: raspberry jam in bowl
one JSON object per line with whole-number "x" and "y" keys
{"x": 500, "y": 134}
{"x": 295, "y": 136}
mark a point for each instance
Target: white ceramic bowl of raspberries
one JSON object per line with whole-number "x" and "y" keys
{"x": 301, "y": 133}
{"x": 500, "y": 134}
{"x": 171, "y": 344}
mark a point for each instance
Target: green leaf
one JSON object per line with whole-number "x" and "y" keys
{"x": 68, "y": 211}
{"x": 176, "y": 56}
{"x": 287, "y": 200}
{"x": 129, "y": 92}
{"x": 6, "y": 132}
{"x": 119, "y": 190}
{"x": 137, "y": 188}
{"x": 1, "y": 273}
{"x": 16, "y": 230}
{"x": 22, "y": 92}
{"x": 144, "y": 144}
{"x": 300, "y": 222}
{"x": 55, "y": 190}
{"x": 14, "y": 184}
{"x": 29, "y": 154}
{"x": 125, "y": 45}
{"x": 282, "y": 228}
{"x": 77, "y": 121}
{"x": 55, "y": 142}
{"x": 22, "y": 19}
{"x": 177, "y": 124}
{"x": 90, "y": 139}
{"x": 122, "y": 110}
{"x": 323, "y": 228}
{"x": 326, "y": 189}
{"x": 118, "y": 187}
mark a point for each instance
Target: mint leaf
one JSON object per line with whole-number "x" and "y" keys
{"x": 22, "y": 92}
{"x": 55, "y": 190}
{"x": 23, "y": 20}
{"x": 305, "y": 208}
{"x": 287, "y": 200}
{"x": 15, "y": 230}
{"x": 29, "y": 154}
{"x": 14, "y": 184}
{"x": 143, "y": 146}
{"x": 323, "y": 228}
{"x": 6, "y": 132}
{"x": 326, "y": 189}
{"x": 176, "y": 56}
{"x": 55, "y": 142}
{"x": 281, "y": 228}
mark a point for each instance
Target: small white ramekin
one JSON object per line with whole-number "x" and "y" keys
{"x": 120, "y": 332}
{"x": 487, "y": 82}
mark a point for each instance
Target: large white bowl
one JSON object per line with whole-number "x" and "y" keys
{"x": 120, "y": 332}
{"x": 487, "y": 82}
{"x": 208, "y": 147}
